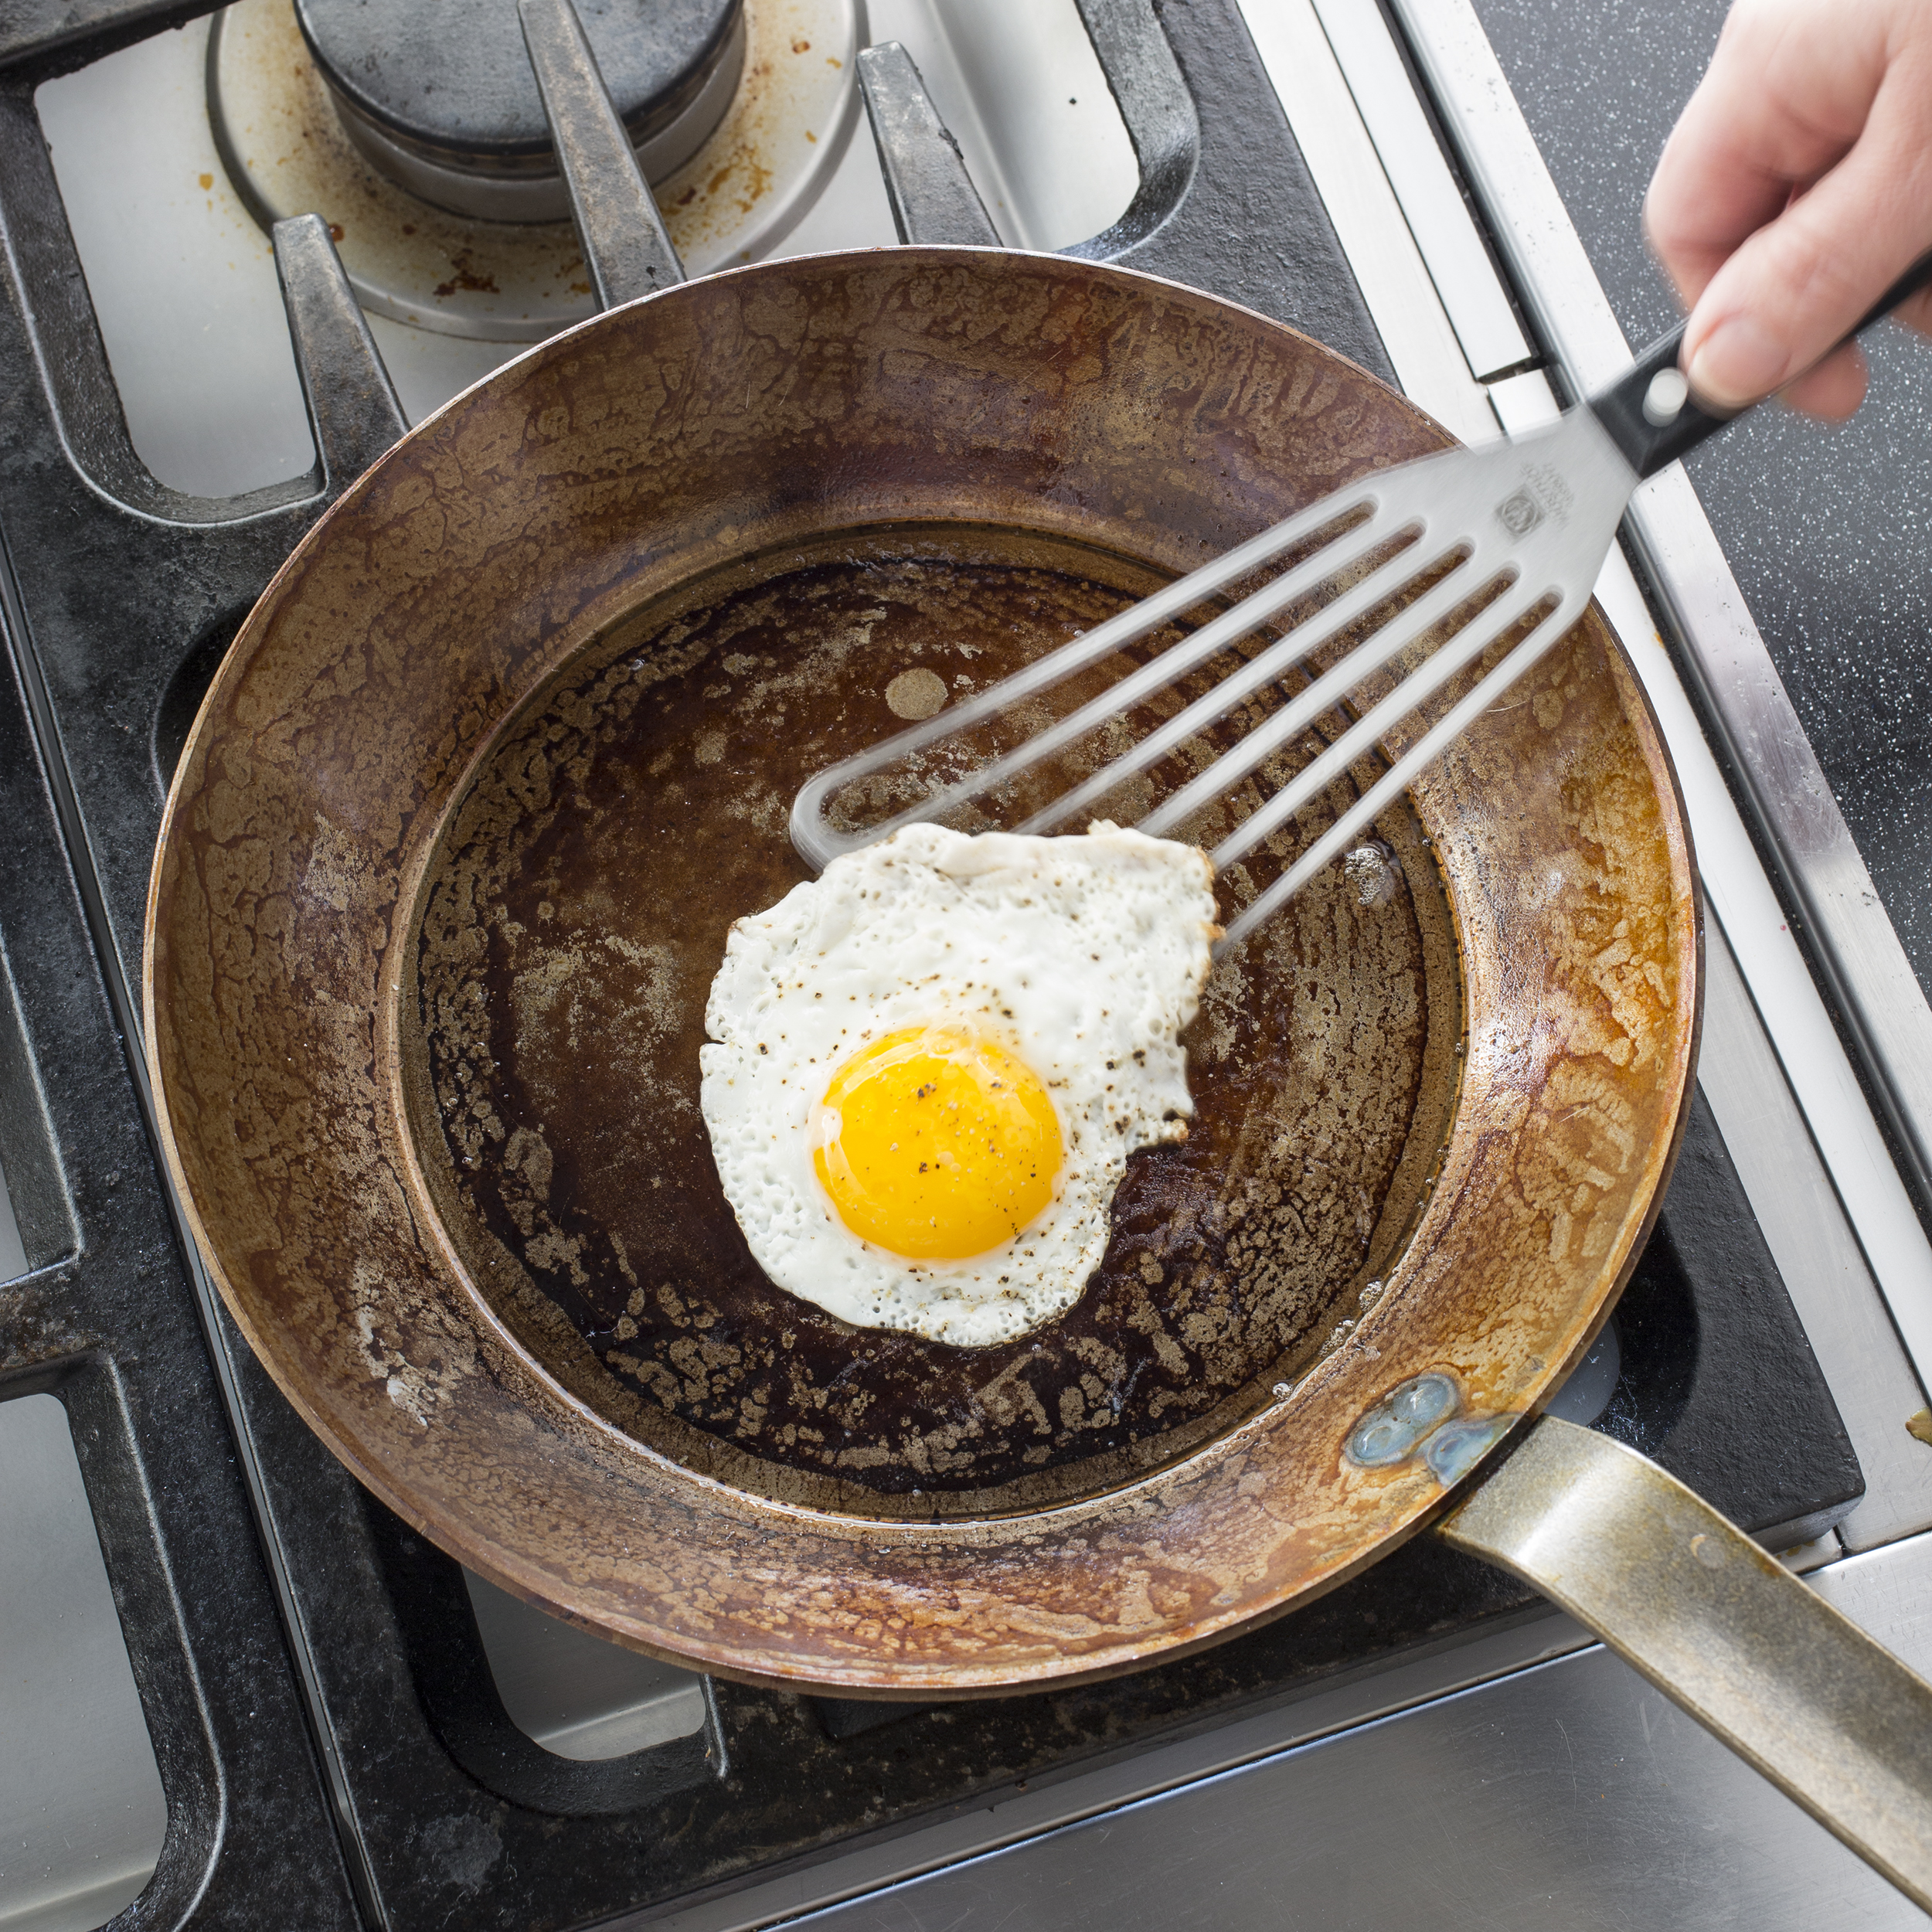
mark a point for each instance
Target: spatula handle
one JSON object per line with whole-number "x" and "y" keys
{"x": 1648, "y": 411}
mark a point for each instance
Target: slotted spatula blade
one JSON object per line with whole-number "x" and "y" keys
{"x": 1523, "y": 524}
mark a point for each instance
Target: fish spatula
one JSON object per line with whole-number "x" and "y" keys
{"x": 1500, "y": 543}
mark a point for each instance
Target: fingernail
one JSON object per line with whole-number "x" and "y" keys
{"x": 1738, "y": 361}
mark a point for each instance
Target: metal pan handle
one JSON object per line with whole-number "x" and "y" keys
{"x": 1759, "y": 1660}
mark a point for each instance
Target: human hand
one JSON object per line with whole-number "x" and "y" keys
{"x": 1795, "y": 189}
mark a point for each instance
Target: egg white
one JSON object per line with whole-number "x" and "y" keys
{"x": 1085, "y": 956}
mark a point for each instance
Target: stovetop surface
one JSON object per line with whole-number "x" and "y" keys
{"x": 1829, "y": 530}
{"x": 452, "y": 1817}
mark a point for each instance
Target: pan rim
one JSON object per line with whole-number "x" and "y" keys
{"x": 532, "y": 1582}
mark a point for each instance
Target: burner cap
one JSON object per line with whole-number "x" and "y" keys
{"x": 449, "y": 88}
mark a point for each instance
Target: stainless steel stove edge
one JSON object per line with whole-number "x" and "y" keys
{"x": 1546, "y": 1777}
{"x": 1833, "y": 1211}
{"x": 891, "y": 1865}
{"x": 1852, "y": 943}
{"x": 1818, "y": 1254}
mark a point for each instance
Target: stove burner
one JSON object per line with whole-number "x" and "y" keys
{"x": 286, "y": 145}
{"x": 454, "y": 115}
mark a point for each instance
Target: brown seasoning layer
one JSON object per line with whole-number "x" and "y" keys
{"x": 466, "y": 576}
{"x": 572, "y": 926}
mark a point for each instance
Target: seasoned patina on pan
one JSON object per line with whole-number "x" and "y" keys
{"x": 342, "y": 851}
{"x": 574, "y": 917}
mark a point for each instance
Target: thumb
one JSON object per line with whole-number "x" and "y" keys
{"x": 1796, "y": 288}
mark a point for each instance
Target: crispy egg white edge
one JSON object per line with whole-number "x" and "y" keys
{"x": 929, "y": 927}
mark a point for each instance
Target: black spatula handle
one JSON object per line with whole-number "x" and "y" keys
{"x": 1648, "y": 411}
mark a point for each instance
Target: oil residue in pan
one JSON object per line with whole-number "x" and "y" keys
{"x": 569, "y": 931}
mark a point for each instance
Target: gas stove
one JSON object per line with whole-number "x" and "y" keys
{"x": 248, "y": 1694}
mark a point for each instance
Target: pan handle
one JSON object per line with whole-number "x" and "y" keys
{"x": 1758, "y": 1659}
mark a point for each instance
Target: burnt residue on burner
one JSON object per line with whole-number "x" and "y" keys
{"x": 287, "y": 150}
{"x": 573, "y": 919}
{"x": 466, "y": 277}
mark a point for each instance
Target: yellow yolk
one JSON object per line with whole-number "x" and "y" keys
{"x": 937, "y": 1144}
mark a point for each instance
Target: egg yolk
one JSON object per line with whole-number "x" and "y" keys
{"x": 937, "y": 1144}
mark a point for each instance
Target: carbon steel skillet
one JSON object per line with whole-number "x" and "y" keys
{"x": 385, "y": 746}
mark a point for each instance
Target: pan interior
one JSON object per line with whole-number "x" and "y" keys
{"x": 575, "y": 910}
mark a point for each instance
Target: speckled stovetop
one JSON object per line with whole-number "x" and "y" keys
{"x": 1829, "y": 530}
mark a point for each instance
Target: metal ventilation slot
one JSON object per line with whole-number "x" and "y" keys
{"x": 81, "y": 1815}
{"x": 575, "y": 1695}
{"x": 13, "y": 1256}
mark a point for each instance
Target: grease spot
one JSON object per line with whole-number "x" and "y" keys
{"x": 916, "y": 694}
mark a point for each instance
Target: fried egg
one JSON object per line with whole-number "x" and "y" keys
{"x": 928, "y": 1068}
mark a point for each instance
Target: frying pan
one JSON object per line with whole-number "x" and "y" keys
{"x": 447, "y": 864}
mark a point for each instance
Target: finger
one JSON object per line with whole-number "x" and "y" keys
{"x": 1707, "y": 197}
{"x": 1786, "y": 95}
{"x": 1832, "y": 390}
{"x": 1916, "y": 312}
{"x": 1796, "y": 288}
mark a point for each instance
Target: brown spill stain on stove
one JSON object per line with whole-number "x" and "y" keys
{"x": 578, "y": 908}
